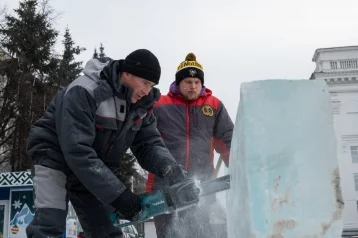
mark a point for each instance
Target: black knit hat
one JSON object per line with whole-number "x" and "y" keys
{"x": 144, "y": 64}
{"x": 189, "y": 68}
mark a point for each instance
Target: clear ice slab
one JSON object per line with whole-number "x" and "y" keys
{"x": 283, "y": 163}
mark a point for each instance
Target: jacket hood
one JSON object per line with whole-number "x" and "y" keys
{"x": 94, "y": 67}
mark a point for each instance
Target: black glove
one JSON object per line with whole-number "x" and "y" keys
{"x": 174, "y": 174}
{"x": 127, "y": 204}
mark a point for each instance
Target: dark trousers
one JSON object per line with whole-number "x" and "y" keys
{"x": 192, "y": 222}
{"x": 51, "y": 196}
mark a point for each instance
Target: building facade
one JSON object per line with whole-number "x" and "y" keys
{"x": 338, "y": 66}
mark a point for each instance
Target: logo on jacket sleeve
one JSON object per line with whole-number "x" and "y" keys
{"x": 207, "y": 110}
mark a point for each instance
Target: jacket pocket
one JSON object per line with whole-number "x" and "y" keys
{"x": 204, "y": 122}
{"x": 103, "y": 139}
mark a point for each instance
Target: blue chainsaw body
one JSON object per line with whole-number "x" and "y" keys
{"x": 173, "y": 198}
{"x": 153, "y": 204}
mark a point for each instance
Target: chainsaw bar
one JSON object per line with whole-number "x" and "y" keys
{"x": 183, "y": 195}
{"x": 214, "y": 185}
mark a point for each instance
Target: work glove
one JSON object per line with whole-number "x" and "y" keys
{"x": 174, "y": 174}
{"x": 128, "y": 204}
{"x": 189, "y": 191}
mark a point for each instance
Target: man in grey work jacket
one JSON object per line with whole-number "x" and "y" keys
{"x": 77, "y": 145}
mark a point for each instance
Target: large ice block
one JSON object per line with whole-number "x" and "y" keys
{"x": 283, "y": 164}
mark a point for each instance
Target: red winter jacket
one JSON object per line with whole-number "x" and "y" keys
{"x": 191, "y": 130}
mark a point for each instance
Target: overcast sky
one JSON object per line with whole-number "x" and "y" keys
{"x": 235, "y": 41}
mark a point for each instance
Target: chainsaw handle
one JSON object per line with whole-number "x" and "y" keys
{"x": 152, "y": 204}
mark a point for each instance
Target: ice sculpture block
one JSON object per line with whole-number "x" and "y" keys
{"x": 283, "y": 164}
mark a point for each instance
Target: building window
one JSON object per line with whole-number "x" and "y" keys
{"x": 356, "y": 181}
{"x": 333, "y": 64}
{"x": 348, "y": 64}
{"x": 354, "y": 154}
{"x": 336, "y": 106}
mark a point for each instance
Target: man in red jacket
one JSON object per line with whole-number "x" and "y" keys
{"x": 192, "y": 123}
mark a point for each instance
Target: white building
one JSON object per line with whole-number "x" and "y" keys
{"x": 338, "y": 66}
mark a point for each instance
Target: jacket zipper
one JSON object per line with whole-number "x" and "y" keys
{"x": 187, "y": 136}
{"x": 122, "y": 130}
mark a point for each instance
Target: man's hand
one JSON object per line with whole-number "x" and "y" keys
{"x": 174, "y": 174}
{"x": 128, "y": 204}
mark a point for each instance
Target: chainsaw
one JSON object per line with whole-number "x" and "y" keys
{"x": 173, "y": 198}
